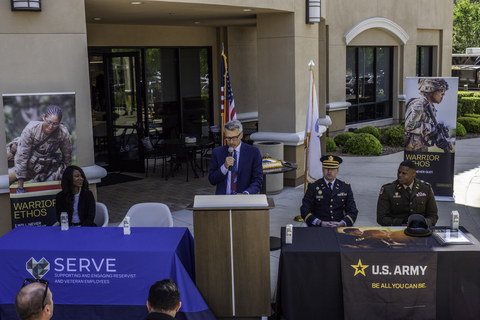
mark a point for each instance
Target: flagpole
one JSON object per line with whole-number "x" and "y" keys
{"x": 224, "y": 85}
{"x": 307, "y": 140}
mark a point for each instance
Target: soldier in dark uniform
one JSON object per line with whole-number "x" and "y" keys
{"x": 329, "y": 201}
{"x": 405, "y": 196}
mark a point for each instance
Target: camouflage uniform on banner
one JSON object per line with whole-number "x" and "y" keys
{"x": 421, "y": 128}
{"x": 36, "y": 154}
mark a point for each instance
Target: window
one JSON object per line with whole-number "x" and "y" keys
{"x": 369, "y": 83}
{"x": 424, "y": 61}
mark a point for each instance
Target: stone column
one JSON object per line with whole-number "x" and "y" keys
{"x": 285, "y": 46}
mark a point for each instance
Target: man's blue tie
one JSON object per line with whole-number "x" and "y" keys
{"x": 233, "y": 182}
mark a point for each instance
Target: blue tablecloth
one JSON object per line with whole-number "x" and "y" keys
{"x": 99, "y": 273}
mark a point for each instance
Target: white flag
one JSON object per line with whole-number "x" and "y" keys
{"x": 313, "y": 166}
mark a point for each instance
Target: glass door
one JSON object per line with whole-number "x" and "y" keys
{"x": 124, "y": 112}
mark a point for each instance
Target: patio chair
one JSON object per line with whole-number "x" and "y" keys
{"x": 101, "y": 215}
{"x": 149, "y": 214}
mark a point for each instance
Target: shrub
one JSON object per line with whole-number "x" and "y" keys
{"x": 368, "y": 129}
{"x": 363, "y": 143}
{"x": 459, "y": 109}
{"x": 381, "y": 132}
{"x": 331, "y": 146}
{"x": 461, "y": 131}
{"x": 343, "y": 137}
{"x": 470, "y": 124}
{"x": 402, "y": 125}
{"x": 395, "y": 137}
{"x": 462, "y": 94}
{"x": 469, "y": 105}
{"x": 472, "y": 115}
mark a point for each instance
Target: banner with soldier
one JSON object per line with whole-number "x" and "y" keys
{"x": 430, "y": 126}
{"x": 41, "y": 137}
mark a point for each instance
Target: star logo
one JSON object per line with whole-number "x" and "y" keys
{"x": 359, "y": 268}
{"x": 330, "y": 158}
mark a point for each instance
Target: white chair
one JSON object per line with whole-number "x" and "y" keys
{"x": 149, "y": 214}
{"x": 101, "y": 215}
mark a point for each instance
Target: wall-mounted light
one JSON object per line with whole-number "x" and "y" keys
{"x": 26, "y": 5}
{"x": 313, "y": 11}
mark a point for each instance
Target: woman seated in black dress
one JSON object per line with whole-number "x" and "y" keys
{"x": 75, "y": 199}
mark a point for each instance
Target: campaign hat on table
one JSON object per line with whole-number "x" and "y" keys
{"x": 417, "y": 226}
{"x": 331, "y": 162}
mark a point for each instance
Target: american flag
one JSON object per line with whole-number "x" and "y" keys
{"x": 228, "y": 105}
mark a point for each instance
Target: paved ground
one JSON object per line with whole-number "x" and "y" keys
{"x": 365, "y": 174}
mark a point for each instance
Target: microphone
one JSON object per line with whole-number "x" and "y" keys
{"x": 230, "y": 153}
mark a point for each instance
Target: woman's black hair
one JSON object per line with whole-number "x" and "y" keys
{"x": 54, "y": 111}
{"x": 67, "y": 185}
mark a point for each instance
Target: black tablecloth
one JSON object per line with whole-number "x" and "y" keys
{"x": 310, "y": 280}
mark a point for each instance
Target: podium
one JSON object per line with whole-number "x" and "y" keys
{"x": 232, "y": 258}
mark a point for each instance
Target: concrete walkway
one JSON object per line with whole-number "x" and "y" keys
{"x": 365, "y": 174}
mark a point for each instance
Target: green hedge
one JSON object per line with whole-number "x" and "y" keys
{"x": 462, "y": 94}
{"x": 368, "y": 129}
{"x": 459, "y": 108}
{"x": 470, "y": 124}
{"x": 331, "y": 146}
{"x": 461, "y": 131}
{"x": 472, "y": 115}
{"x": 394, "y": 136}
{"x": 468, "y": 105}
{"x": 363, "y": 143}
{"x": 343, "y": 137}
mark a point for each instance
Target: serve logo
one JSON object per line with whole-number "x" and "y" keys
{"x": 38, "y": 268}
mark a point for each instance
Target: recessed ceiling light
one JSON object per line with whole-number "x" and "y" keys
{"x": 97, "y": 19}
{"x": 197, "y": 22}
{"x": 137, "y": 2}
{"x": 247, "y": 10}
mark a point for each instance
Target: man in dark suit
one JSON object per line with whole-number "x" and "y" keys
{"x": 239, "y": 173}
{"x": 329, "y": 201}
{"x": 163, "y": 300}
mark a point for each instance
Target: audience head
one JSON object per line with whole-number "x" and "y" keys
{"x": 164, "y": 297}
{"x": 34, "y": 300}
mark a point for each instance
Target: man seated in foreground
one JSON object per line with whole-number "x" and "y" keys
{"x": 406, "y": 196}
{"x": 34, "y": 301}
{"x": 163, "y": 300}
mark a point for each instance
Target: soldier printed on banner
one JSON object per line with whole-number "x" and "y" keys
{"x": 422, "y": 130}
{"x": 34, "y": 155}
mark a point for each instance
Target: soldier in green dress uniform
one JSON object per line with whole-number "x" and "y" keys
{"x": 405, "y": 196}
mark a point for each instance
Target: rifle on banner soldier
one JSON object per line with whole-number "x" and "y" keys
{"x": 442, "y": 132}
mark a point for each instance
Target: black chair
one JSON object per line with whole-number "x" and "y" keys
{"x": 179, "y": 154}
{"x": 216, "y": 137}
{"x": 154, "y": 150}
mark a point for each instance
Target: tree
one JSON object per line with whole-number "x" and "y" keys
{"x": 466, "y": 25}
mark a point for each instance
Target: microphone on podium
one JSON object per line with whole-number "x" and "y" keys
{"x": 230, "y": 153}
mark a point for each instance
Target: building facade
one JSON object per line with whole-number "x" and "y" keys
{"x": 154, "y": 67}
